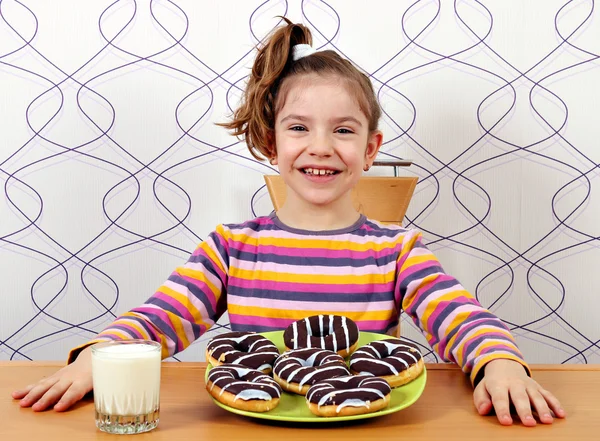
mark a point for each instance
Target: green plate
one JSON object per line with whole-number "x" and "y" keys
{"x": 293, "y": 407}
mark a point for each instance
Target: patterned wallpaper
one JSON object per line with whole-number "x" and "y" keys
{"x": 112, "y": 168}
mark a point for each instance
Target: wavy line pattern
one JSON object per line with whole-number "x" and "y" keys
{"x": 113, "y": 170}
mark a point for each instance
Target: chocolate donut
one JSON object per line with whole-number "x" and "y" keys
{"x": 396, "y": 360}
{"x": 332, "y": 332}
{"x": 245, "y": 348}
{"x": 351, "y": 395}
{"x": 298, "y": 369}
{"x": 243, "y": 388}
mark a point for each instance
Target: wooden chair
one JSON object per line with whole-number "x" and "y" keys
{"x": 381, "y": 198}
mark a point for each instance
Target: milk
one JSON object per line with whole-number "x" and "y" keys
{"x": 126, "y": 378}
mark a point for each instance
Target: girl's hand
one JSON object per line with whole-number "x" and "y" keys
{"x": 61, "y": 390}
{"x": 506, "y": 382}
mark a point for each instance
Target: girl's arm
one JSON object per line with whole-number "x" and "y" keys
{"x": 184, "y": 307}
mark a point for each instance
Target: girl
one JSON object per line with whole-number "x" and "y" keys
{"x": 315, "y": 116}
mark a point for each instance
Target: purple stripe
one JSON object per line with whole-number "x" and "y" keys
{"x": 310, "y": 252}
{"x": 366, "y": 288}
{"x": 170, "y": 304}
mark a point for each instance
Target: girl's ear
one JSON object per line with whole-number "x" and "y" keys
{"x": 272, "y": 148}
{"x": 373, "y": 146}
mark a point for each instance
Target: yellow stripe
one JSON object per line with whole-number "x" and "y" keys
{"x": 183, "y": 300}
{"x": 111, "y": 331}
{"x": 416, "y": 260}
{"x": 409, "y": 299}
{"x": 199, "y": 276}
{"x": 327, "y": 279}
{"x": 212, "y": 255}
{"x": 434, "y": 305}
{"x": 257, "y": 311}
{"x": 303, "y": 243}
{"x": 408, "y": 246}
{"x": 497, "y": 356}
{"x": 487, "y": 329}
{"x": 175, "y": 322}
{"x": 133, "y": 324}
{"x": 178, "y": 328}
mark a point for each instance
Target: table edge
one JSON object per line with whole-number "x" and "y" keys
{"x": 202, "y": 365}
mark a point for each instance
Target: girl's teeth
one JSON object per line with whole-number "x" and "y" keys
{"x": 320, "y": 172}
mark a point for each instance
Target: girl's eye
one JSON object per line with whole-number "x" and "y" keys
{"x": 297, "y": 128}
{"x": 344, "y": 131}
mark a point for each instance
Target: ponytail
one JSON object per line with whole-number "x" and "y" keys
{"x": 254, "y": 119}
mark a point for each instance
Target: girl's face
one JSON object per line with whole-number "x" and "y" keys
{"x": 322, "y": 140}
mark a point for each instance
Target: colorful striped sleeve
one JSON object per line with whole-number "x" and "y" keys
{"x": 455, "y": 324}
{"x": 184, "y": 307}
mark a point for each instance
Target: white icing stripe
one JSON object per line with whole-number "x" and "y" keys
{"x": 353, "y": 402}
{"x": 337, "y": 392}
{"x": 326, "y": 331}
{"x": 309, "y": 376}
{"x": 303, "y": 363}
{"x": 335, "y": 345}
{"x": 295, "y": 329}
{"x": 252, "y": 394}
{"x": 234, "y": 376}
{"x": 346, "y": 332}
{"x": 379, "y": 352}
{"x": 321, "y": 330}
{"x": 383, "y": 363}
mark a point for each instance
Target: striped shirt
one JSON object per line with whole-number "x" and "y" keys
{"x": 267, "y": 275}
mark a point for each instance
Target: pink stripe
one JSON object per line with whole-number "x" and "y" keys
{"x": 366, "y": 227}
{"x": 124, "y": 320}
{"x": 506, "y": 347}
{"x": 312, "y": 252}
{"x": 432, "y": 297}
{"x": 110, "y": 333}
{"x": 410, "y": 271}
{"x": 213, "y": 246}
{"x": 321, "y": 270}
{"x": 441, "y": 306}
{"x": 310, "y": 287}
{"x": 122, "y": 324}
{"x": 470, "y": 328}
{"x": 329, "y": 241}
{"x": 311, "y": 306}
{"x": 190, "y": 298}
{"x": 151, "y": 309}
{"x": 248, "y": 225}
{"x": 198, "y": 266}
{"x": 490, "y": 331}
{"x": 472, "y": 362}
{"x": 188, "y": 328}
{"x": 181, "y": 310}
{"x": 235, "y": 319}
{"x": 280, "y": 323}
{"x": 374, "y": 325}
{"x": 204, "y": 288}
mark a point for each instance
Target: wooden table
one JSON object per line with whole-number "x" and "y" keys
{"x": 445, "y": 411}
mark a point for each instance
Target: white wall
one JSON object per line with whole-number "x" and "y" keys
{"x": 112, "y": 168}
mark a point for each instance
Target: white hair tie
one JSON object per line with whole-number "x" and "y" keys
{"x": 301, "y": 51}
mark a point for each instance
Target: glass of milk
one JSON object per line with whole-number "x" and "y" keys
{"x": 126, "y": 381}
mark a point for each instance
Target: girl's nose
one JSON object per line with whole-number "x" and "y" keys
{"x": 320, "y": 145}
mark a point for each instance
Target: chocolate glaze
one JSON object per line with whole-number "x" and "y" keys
{"x": 246, "y": 348}
{"x": 385, "y": 357}
{"x": 246, "y": 384}
{"x": 353, "y": 390}
{"x": 332, "y": 332}
{"x": 308, "y": 366}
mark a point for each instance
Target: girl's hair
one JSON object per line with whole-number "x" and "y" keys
{"x": 255, "y": 117}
